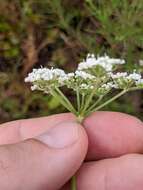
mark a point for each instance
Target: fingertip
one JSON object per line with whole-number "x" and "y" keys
{"x": 113, "y": 134}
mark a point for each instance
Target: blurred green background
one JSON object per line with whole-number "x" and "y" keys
{"x": 61, "y": 33}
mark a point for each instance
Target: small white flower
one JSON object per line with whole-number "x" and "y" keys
{"x": 139, "y": 82}
{"x": 109, "y": 85}
{"x": 86, "y": 86}
{"x": 71, "y": 75}
{"x": 34, "y": 87}
{"x": 134, "y": 76}
{"x": 141, "y": 62}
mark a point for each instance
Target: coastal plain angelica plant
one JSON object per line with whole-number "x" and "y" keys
{"x": 94, "y": 79}
{"x": 93, "y": 83}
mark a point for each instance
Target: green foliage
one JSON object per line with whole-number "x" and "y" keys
{"x": 60, "y": 33}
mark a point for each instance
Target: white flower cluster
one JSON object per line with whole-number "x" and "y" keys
{"x": 85, "y": 86}
{"x": 133, "y": 76}
{"x": 105, "y": 61}
{"x": 41, "y": 77}
{"x": 105, "y": 88}
{"x": 109, "y": 85}
{"x": 79, "y": 79}
{"x": 85, "y": 78}
{"x": 44, "y": 74}
{"x": 123, "y": 79}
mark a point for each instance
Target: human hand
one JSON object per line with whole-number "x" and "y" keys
{"x": 33, "y": 161}
{"x": 117, "y": 137}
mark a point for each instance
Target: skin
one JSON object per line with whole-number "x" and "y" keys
{"x": 106, "y": 155}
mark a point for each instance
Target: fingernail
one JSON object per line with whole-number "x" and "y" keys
{"x": 60, "y": 136}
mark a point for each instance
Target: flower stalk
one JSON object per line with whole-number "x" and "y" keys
{"x": 73, "y": 183}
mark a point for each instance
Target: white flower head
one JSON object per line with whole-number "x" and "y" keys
{"x": 44, "y": 77}
{"x": 109, "y": 85}
{"x": 125, "y": 80}
{"x": 86, "y": 86}
{"x": 44, "y": 74}
{"x": 104, "y": 61}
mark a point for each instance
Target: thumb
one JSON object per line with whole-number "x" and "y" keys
{"x": 45, "y": 162}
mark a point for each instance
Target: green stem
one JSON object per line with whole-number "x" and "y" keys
{"x": 87, "y": 103}
{"x": 73, "y": 179}
{"x": 109, "y": 101}
{"x": 59, "y": 99}
{"x": 73, "y": 183}
{"x": 62, "y": 101}
{"x": 80, "y": 118}
{"x": 135, "y": 88}
{"x": 82, "y": 102}
{"x": 78, "y": 99}
{"x": 93, "y": 106}
{"x": 66, "y": 101}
